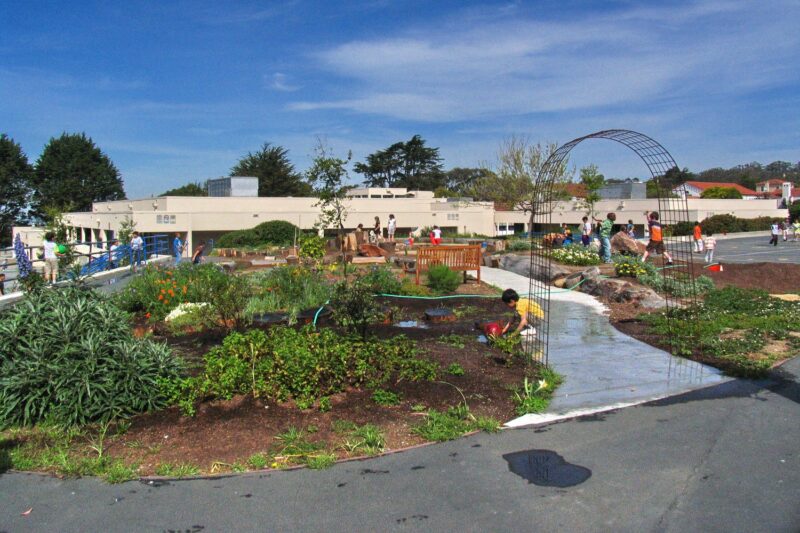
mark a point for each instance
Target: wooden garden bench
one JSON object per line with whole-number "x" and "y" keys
{"x": 460, "y": 258}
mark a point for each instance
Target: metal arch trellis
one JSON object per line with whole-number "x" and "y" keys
{"x": 672, "y": 210}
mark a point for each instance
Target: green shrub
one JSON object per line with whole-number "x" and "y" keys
{"x": 274, "y": 232}
{"x": 304, "y": 365}
{"x": 674, "y": 284}
{"x": 354, "y": 306}
{"x": 68, "y": 356}
{"x": 454, "y": 369}
{"x": 312, "y": 246}
{"x": 518, "y": 245}
{"x": 385, "y": 397}
{"x": 575, "y": 255}
{"x": 410, "y": 288}
{"x": 443, "y": 280}
{"x": 381, "y": 280}
{"x": 290, "y": 289}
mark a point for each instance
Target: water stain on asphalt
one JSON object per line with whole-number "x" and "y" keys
{"x": 476, "y": 445}
{"x": 416, "y": 517}
{"x": 156, "y": 483}
{"x": 371, "y": 471}
{"x": 418, "y": 467}
{"x": 340, "y": 485}
{"x": 454, "y": 454}
{"x": 248, "y": 495}
{"x": 546, "y": 468}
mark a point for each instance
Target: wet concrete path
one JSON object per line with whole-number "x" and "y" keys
{"x": 604, "y": 368}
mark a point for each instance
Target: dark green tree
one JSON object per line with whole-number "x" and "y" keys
{"x": 408, "y": 164}
{"x": 15, "y": 177}
{"x": 190, "y": 189}
{"x": 71, "y": 173}
{"x": 276, "y": 174}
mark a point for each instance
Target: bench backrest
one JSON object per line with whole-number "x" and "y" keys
{"x": 460, "y": 257}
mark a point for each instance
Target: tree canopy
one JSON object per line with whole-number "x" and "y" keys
{"x": 511, "y": 184}
{"x": 276, "y": 174}
{"x": 190, "y": 189}
{"x": 725, "y": 193}
{"x": 408, "y": 164}
{"x": 71, "y": 173}
{"x": 593, "y": 181}
{"x": 15, "y": 177}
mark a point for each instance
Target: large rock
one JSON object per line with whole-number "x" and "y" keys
{"x": 617, "y": 290}
{"x": 370, "y": 250}
{"x": 521, "y": 264}
{"x": 623, "y": 243}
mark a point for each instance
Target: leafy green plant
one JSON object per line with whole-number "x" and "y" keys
{"x": 534, "y": 396}
{"x": 177, "y": 470}
{"x": 367, "y": 439}
{"x": 354, "y": 307}
{"x": 303, "y": 365}
{"x": 67, "y": 355}
{"x": 381, "y": 280}
{"x": 510, "y": 344}
{"x": 409, "y": 288}
{"x": 675, "y": 284}
{"x": 312, "y": 246}
{"x": 385, "y": 397}
{"x": 454, "y": 369}
{"x": 443, "y": 280}
{"x": 456, "y": 421}
{"x": 456, "y": 341}
{"x": 290, "y": 289}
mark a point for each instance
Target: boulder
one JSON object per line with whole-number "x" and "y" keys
{"x": 572, "y": 280}
{"x": 617, "y": 290}
{"x": 623, "y": 243}
{"x": 521, "y": 264}
{"x": 560, "y": 283}
{"x": 388, "y": 247}
{"x": 591, "y": 272}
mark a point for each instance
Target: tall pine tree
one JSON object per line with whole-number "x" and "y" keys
{"x": 276, "y": 174}
{"x": 71, "y": 173}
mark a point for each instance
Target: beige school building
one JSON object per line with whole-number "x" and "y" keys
{"x": 203, "y": 218}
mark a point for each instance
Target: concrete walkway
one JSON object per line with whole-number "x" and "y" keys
{"x": 604, "y": 368}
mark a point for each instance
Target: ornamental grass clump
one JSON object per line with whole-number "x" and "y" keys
{"x": 67, "y": 356}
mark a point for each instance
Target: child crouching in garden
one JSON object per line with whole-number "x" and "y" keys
{"x": 525, "y": 311}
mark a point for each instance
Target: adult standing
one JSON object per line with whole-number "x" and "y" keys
{"x": 698, "y": 237}
{"x": 378, "y": 229}
{"x": 391, "y": 227}
{"x": 775, "y": 230}
{"x": 137, "y": 250}
{"x": 50, "y": 258}
{"x": 177, "y": 248}
{"x": 605, "y": 237}
{"x": 586, "y": 231}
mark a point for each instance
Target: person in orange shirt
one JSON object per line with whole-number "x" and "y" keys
{"x": 656, "y": 244}
{"x": 698, "y": 238}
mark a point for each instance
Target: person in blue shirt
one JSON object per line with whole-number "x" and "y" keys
{"x": 177, "y": 248}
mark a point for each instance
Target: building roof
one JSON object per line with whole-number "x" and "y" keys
{"x": 771, "y": 181}
{"x": 703, "y": 185}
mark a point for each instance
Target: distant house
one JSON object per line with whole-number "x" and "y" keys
{"x": 693, "y": 189}
{"x": 778, "y": 189}
{"x": 772, "y": 187}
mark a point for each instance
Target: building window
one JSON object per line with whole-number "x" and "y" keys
{"x": 159, "y": 219}
{"x": 452, "y": 216}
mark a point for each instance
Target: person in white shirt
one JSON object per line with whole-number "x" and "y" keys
{"x": 391, "y": 227}
{"x": 776, "y": 230}
{"x": 50, "y": 258}
{"x": 586, "y": 231}
{"x": 437, "y": 236}
{"x": 709, "y": 243}
{"x": 137, "y": 250}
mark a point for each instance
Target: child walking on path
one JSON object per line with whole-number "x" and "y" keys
{"x": 775, "y": 229}
{"x": 656, "y": 244}
{"x": 525, "y": 311}
{"x": 710, "y": 243}
{"x": 698, "y": 238}
{"x": 796, "y": 228}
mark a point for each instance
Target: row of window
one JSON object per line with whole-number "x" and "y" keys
{"x": 165, "y": 219}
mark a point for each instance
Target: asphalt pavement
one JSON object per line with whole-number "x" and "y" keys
{"x": 754, "y": 250}
{"x": 724, "y": 458}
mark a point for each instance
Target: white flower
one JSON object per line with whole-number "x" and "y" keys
{"x": 183, "y": 309}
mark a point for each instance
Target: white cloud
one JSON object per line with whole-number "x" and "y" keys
{"x": 524, "y": 65}
{"x": 279, "y": 82}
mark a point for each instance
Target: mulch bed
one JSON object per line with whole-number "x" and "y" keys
{"x": 224, "y": 432}
{"x": 775, "y": 278}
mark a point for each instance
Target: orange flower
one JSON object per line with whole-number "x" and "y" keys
{"x": 166, "y": 302}
{"x": 147, "y": 315}
{"x": 160, "y": 296}
{"x": 184, "y": 289}
{"x": 171, "y": 292}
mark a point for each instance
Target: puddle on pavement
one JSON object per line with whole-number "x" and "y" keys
{"x": 411, "y": 324}
{"x": 546, "y": 468}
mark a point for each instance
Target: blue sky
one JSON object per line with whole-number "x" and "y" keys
{"x": 178, "y": 91}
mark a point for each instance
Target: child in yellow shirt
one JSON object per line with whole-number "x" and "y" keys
{"x": 524, "y": 312}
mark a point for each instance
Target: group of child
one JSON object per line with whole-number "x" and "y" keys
{"x": 787, "y": 229}
{"x": 707, "y": 243}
